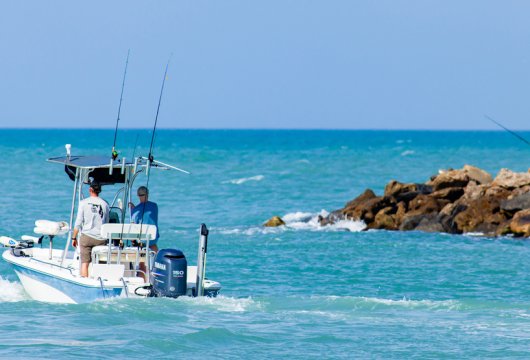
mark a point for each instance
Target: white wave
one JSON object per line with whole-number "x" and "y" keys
{"x": 11, "y": 291}
{"x": 304, "y": 161}
{"x": 431, "y": 304}
{"x": 297, "y": 221}
{"x": 325, "y": 314}
{"x": 223, "y": 303}
{"x": 244, "y": 180}
{"x": 251, "y": 230}
{"x": 407, "y": 152}
{"x": 297, "y": 216}
{"x": 475, "y": 234}
{"x": 350, "y": 225}
{"x": 404, "y": 302}
{"x": 309, "y": 221}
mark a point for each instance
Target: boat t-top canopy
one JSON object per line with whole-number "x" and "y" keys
{"x": 104, "y": 169}
{"x": 88, "y": 162}
{"x": 100, "y": 168}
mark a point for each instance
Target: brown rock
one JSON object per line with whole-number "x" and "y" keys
{"x": 520, "y": 224}
{"x": 473, "y": 191}
{"x": 410, "y": 222}
{"x": 503, "y": 228}
{"x": 395, "y": 188}
{"x": 451, "y": 193}
{"x": 331, "y": 218}
{"x": 515, "y": 203}
{"x": 367, "y": 210}
{"x": 451, "y": 178}
{"x": 400, "y": 213}
{"x": 478, "y": 175}
{"x": 430, "y": 223}
{"x": 274, "y": 221}
{"x": 384, "y": 219}
{"x": 478, "y": 212}
{"x": 510, "y": 180}
{"x": 424, "y": 204}
{"x": 366, "y": 195}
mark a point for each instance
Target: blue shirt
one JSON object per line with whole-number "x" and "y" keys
{"x": 150, "y": 215}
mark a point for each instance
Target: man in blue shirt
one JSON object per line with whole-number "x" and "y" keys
{"x": 146, "y": 212}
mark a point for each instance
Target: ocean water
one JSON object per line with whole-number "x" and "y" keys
{"x": 298, "y": 291}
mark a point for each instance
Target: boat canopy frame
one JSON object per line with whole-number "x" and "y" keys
{"x": 106, "y": 171}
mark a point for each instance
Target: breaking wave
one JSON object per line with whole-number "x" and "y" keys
{"x": 11, "y": 291}
{"x": 244, "y": 180}
{"x": 304, "y": 221}
{"x": 310, "y": 221}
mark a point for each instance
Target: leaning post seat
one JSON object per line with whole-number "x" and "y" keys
{"x": 117, "y": 255}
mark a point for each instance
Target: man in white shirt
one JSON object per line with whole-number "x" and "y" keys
{"x": 91, "y": 214}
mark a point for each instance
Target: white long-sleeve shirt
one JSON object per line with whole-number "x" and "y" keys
{"x": 91, "y": 214}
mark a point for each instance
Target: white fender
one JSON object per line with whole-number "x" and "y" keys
{"x": 8, "y": 242}
{"x": 30, "y": 238}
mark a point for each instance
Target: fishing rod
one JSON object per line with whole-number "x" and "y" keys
{"x": 114, "y": 152}
{"x": 150, "y": 157}
{"x": 508, "y": 130}
{"x": 157, "y": 111}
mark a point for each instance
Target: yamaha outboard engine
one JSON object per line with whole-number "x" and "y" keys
{"x": 169, "y": 275}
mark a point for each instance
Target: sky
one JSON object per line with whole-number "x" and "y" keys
{"x": 275, "y": 64}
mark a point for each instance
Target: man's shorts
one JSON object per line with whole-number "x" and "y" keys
{"x": 86, "y": 243}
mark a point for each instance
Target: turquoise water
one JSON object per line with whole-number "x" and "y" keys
{"x": 298, "y": 291}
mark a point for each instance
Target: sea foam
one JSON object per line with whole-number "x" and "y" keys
{"x": 223, "y": 303}
{"x": 298, "y": 221}
{"x": 11, "y": 291}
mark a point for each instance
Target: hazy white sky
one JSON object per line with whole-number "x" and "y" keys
{"x": 266, "y": 64}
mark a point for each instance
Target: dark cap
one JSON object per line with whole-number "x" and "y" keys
{"x": 142, "y": 190}
{"x": 94, "y": 185}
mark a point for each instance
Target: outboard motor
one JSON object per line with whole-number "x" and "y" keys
{"x": 169, "y": 275}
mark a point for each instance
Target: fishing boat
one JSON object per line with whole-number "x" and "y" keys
{"x": 126, "y": 266}
{"x": 53, "y": 275}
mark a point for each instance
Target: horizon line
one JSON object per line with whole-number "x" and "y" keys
{"x": 252, "y": 129}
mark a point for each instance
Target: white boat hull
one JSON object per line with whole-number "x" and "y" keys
{"x": 44, "y": 280}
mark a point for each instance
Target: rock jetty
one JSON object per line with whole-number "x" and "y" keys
{"x": 466, "y": 200}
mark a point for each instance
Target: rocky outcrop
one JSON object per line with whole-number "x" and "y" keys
{"x": 454, "y": 201}
{"x": 274, "y": 221}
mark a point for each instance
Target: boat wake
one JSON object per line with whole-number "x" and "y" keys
{"x": 12, "y": 291}
{"x": 219, "y": 303}
{"x": 223, "y": 303}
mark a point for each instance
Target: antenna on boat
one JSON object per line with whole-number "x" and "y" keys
{"x": 135, "y": 144}
{"x": 508, "y": 130}
{"x": 114, "y": 152}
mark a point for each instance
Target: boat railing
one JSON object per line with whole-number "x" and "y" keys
{"x": 52, "y": 264}
{"x": 139, "y": 232}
